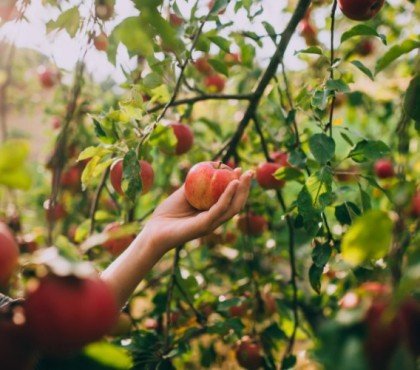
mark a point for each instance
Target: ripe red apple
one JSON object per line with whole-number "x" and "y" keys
{"x": 184, "y": 136}
{"x": 116, "y": 245}
{"x": 54, "y": 213}
{"x": 308, "y": 32}
{"x": 249, "y": 354}
{"x": 104, "y": 9}
{"x": 384, "y": 168}
{"x": 175, "y": 20}
{"x": 252, "y": 224}
{"x": 203, "y": 66}
{"x": 265, "y": 175}
{"x": 383, "y": 334}
{"x": 65, "y": 313}
{"x": 415, "y": 204}
{"x": 281, "y": 158}
{"x": 232, "y": 59}
{"x": 215, "y": 83}
{"x": 9, "y": 253}
{"x": 360, "y": 10}
{"x": 147, "y": 176}
{"x": 365, "y": 47}
{"x": 56, "y": 123}
{"x": 101, "y": 42}
{"x": 47, "y": 77}
{"x": 71, "y": 177}
{"x": 238, "y": 310}
{"x": 206, "y": 182}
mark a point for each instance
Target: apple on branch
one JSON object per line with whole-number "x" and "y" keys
{"x": 360, "y": 10}
{"x": 9, "y": 253}
{"x": 184, "y": 136}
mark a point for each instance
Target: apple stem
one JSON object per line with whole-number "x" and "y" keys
{"x": 220, "y": 165}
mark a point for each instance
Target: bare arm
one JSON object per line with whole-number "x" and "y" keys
{"x": 172, "y": 224}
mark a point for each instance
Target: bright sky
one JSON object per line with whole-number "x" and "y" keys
{"x": 65, "y": 51}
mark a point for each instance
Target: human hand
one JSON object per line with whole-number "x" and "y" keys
{"x": 175, "y": 221}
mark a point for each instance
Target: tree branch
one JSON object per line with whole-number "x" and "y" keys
{"x": 267, "y": 75}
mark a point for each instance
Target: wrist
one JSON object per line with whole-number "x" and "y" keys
{"x": 147, "y": 240}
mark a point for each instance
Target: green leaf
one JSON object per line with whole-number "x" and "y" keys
{"x": 288, "y": 362}
{"x": 321, "y": 254}
{"x": 219, "y": 66}
{"x": 322, "y": 147}
{"x": 365, "y": 199}
{"x": 411, "y": 99}
{"x": 394, "y": 53}
{"x": 319, "y": 187}
{"x": 152, "y": 80}
{"x": 311, "y": 50}
{"x": 164, "y": 138}
{"x": 368, "y": 238}
{"x": 131, "y": 184}
{"x": 315, "y": 274}
{"x": 219, "y": 5}
{"x": 363, "y": 68}
{"x": 92, "y": 151}
{"x": 311, "y": 216}
{"x": 109, "y": 355}
{"x": 68, "y": 20}
{"x": 289, "y": 174}
{"x": 270, "y": 30}
{"x": 337, "y": 85}
{"x": 345, "y": 212}
{"x": 221, "y": 42}
{"x": 367, "y": 150}
{"x": 362, "y": 30}
{"x": 319, "y": 99}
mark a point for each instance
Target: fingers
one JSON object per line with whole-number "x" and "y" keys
{"x": 240, "y": 197}
{"x": 224, "y": 202}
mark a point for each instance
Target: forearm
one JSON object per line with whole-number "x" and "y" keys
{"x": 125, "y": 273}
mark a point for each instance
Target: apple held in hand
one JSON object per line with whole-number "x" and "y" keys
{"x": 101, "y": 42}
{"x": 265, "y": 175}
{"x": 65, "y": 313}
{"x": 384, "y": 168}
{"x": 206, "y": 182}
{"x": 117, "y": 244}
{"x": 9, "y": 253}
{"x": 249, "y": 354}
{"x": 215, "y": 83}
{"x": 147, "y": 176}
{"x": 184, "y": 136}
{"x": 360, "y": 10}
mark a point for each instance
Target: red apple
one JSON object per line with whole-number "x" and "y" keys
{"x": 71, "y": 177}
{"x": 56, "y": 212}
{"x": 9, "y": 253}
{"x": 175, "y": 20}
{"x": 360, "y": 10}
{"x": 232, "y": 59}
{"x": 308, "y": 32}
{"x": 47, "y": 77}
{"x": 365, "y": 47}
{"x": 238, "y": 310}
{"x": 249, "y": 354}
{"x": 281, "y": 158}
{"x": 383, "y": 334}
{"x": 184, "y": 136}
{"x": 146, "y": 174}
{"x": 206, "y": 182}
{"x": 265, "y": 175}
{"x": 415, "y": 204}
{"x": 65, "y": 313}
{"x": 116, "y": 245}
{"x": 203, "y": 66}
{"x": 101, "y": 42}
{"x": 270, "y": 304}
{"x": 56, "y": 123}
{"x": 8, "y": 10}
{"x": 252, "y": 224}
{"x": 215, "y": 83}
{"x": 384, "y": 168}
{"x": 104, "y": 9}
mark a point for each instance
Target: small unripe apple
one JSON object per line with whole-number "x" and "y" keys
{"x": 265, "y": 175}
{"x": 101, "y": 42}
{"x": 360, "y": 10}
{"x": 232, "y": 59}
{"x": 308, "y": 32}
{"x": 54, "y": 213}
{"x": 65, "y": 313}
{"x": 203, "y": 66}
{"x": 206, "y": 182}
{"x": 365, "y": 47}
{"x": 175, "y": 20}
{"x": 47, "y": 77}
{"x": 9, "y": 253}
{"x": 184, "y": 136}
{"x": 415, "y": 204}
{"x": 104, "y": 9}
{"x": 252, "y": 224}
{"x": 116, "y": 245}
{"x": 384, "y": 168}
{"x": 146, "y": 175}
{"x": 249, "y": 354}
{"x": 215, "y": 83}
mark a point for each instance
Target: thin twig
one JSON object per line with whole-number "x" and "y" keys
{"x": 96, "y": 200}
